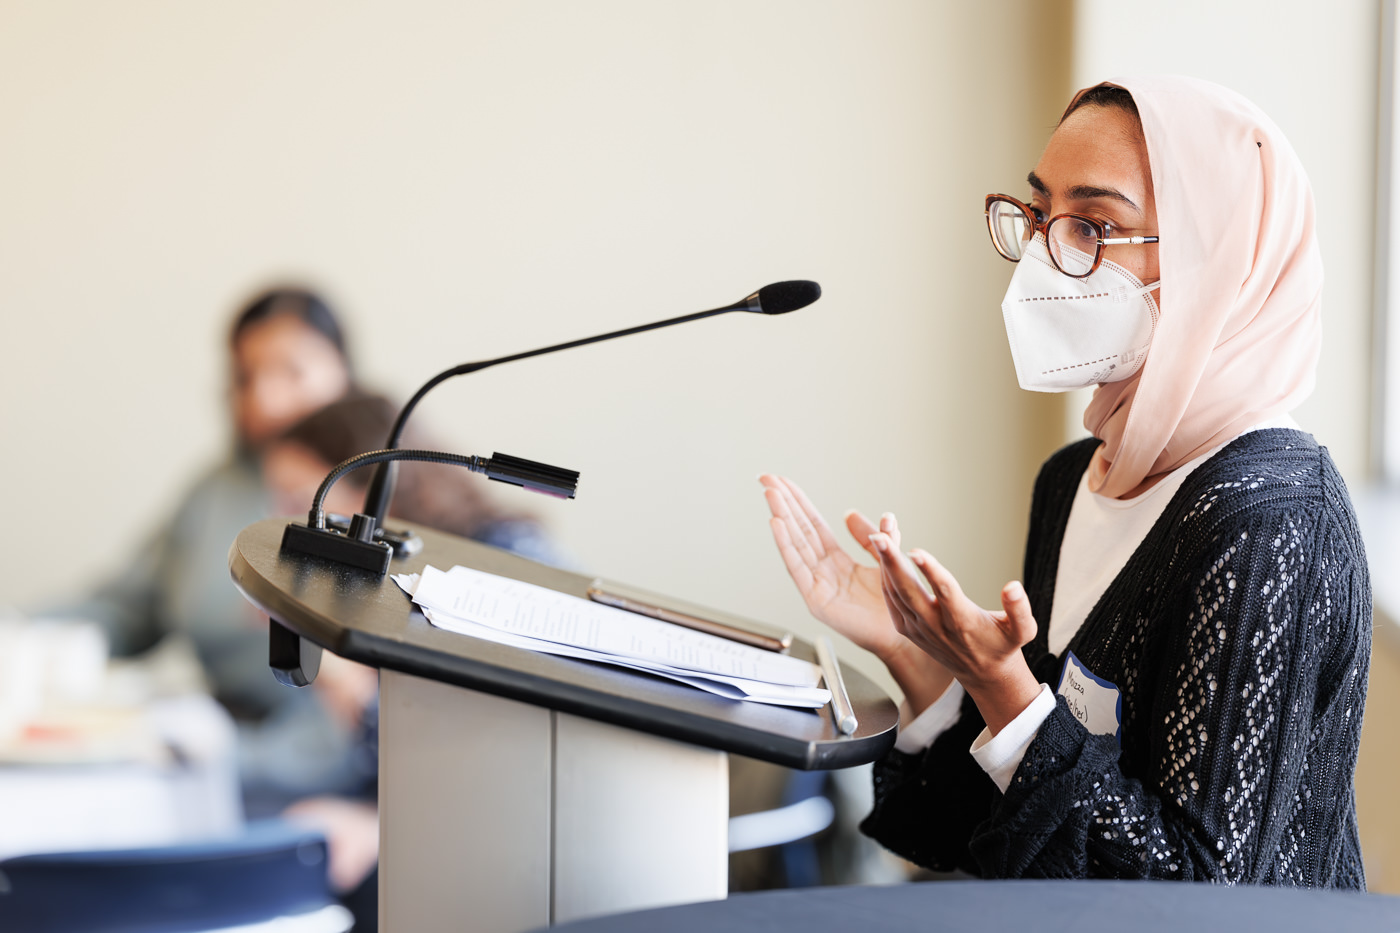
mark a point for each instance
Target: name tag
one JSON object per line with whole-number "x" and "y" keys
{"x": 1095, "y": 702}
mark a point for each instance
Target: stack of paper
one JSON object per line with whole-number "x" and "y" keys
{"x": 523, "y": 615}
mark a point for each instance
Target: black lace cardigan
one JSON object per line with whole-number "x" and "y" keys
{"x": 1239, "y": 634}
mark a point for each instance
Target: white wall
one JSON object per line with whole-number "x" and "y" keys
{"x": 471, "y": 179}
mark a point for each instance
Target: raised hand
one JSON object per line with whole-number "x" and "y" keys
{"x": 846, "y": 595}
{"x": 981, "y": 648}
{"x": 837, "y": 590}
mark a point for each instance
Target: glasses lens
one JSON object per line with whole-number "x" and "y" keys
{"x": 1011, "y": 229}
{"x": 1074, "y": 244}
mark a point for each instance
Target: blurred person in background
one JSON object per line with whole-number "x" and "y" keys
{"x": 287, "y": 358}
{"x": 439, "y": 496}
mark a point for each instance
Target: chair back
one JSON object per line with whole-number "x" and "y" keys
{"x": 271, "y": 871}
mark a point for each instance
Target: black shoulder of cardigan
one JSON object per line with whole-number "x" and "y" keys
{"x": 1238, "y": 635}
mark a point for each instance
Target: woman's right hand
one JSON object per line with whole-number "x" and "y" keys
{"x": 846, "y": 595}
{"x": 838, "y": 591}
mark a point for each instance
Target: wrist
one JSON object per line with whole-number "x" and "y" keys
{"x": 1004, "y": 693}
{"x": 921, "y": 678}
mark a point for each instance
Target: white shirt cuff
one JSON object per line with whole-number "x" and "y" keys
{"x": 1000, "y": 755}
{"x": 919, "y": 732}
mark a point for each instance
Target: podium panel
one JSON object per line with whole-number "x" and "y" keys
{"x": 639, "y": 821}
{"x": 465, "y": 809}
{"x": 496, "y": 815}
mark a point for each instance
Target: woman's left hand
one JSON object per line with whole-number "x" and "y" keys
{"x": 981, "y": 648}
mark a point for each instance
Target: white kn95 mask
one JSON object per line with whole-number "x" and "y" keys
{"x": 1069, "y": 333}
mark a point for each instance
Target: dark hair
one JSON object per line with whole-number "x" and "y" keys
{"x": 1104, "y": 95}
{"x": 437, "y": 495}
{"x": 303, "y": 304}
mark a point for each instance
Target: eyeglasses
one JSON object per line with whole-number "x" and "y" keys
{"x": 1075, "y": 242}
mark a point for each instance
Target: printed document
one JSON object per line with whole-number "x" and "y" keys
{"x": 524, "y": 615}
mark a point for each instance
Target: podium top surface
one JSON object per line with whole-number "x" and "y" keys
{"x": 368, "y": 619}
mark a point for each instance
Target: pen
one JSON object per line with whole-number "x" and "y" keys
{"x": 841, "y": 710}
{"x": 676, "y": 617}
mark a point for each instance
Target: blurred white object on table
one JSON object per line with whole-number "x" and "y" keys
{"x": 97, "y": 754}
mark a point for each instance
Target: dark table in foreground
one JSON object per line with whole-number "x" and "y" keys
{"x": 518, "y": 788}
{"x": 1021, "y": 907}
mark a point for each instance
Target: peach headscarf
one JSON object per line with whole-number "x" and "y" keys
{"x": 1240, "y": 329}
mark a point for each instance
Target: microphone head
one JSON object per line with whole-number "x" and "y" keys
{"x": 782, "y": 297}
{"x": 532, "y": 475}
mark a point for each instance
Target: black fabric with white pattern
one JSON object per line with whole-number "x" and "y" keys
{"x": 1239, "y": 633}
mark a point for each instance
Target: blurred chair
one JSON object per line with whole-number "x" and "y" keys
{"x": 272, "y": 876}
{"x": 805, "y": 813}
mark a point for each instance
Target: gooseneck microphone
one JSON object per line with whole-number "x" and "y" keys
{"x": 777, "y": 298}
{"x": 357, "y": 544}
{"x": 365, "y": 544}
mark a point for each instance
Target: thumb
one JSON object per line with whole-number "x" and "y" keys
{"x": 1020, "y": 624}
{"x": 861, "y": 528}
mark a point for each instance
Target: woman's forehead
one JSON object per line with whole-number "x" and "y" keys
{"x": 1096, "y": 149}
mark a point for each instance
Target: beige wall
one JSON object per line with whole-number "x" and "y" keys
{"x": 1380, "y": 762}
{"x": 468, "y": 180}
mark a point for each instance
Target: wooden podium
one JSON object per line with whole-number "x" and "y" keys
{"x": 518, "y": 789}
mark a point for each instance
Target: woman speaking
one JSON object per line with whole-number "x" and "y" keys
{"x": 1175, "y": 690}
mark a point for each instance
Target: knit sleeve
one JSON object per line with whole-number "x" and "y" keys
{"x": 913, "y": 817}
{"x": 1258, "y": 682}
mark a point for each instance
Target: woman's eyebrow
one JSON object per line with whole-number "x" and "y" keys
{"x": 1083, "y": 192}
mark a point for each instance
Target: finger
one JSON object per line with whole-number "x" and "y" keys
{"x": 770, "y": 480}
{"x": 898, "y": 614}
{"x": 861, "y": 528}
{"x": 1019, "y": 624}
{"x": 890, "y": 526}
{"x": 918, "y": 629}
{"x": 944, "y": 584}
{"x": 819, "y": 525}
{"x": 905, "y": 622}
{"x": 781, "y": 507}
{"x": 878, "y": 543}
{"x": 903, "y": 580}
{"x": 898, "y": 608}
{"x": 801, "y": 520}
{"x": 796, "y": 565}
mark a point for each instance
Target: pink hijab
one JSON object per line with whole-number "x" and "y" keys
{"x": 1240, "y": 328}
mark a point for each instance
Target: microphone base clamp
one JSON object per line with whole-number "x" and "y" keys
{"x": 330, "y": 544}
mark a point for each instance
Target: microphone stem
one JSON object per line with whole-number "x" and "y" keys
{"x": 641, "y": 328}
{"x": 317, "y": 516}
{"x": 381, "y": 488}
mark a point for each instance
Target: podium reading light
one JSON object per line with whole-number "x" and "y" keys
{"x": 365, "y": 543}
{"x": 358, "y": 547}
